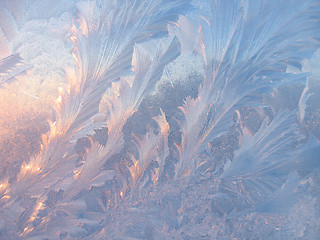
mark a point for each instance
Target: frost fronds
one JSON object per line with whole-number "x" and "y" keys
{"x": 152, "y": 153}
{"x": 123, "y": 99}
{"x": 223, "y": 149}
{"x": 258, "y": 152}
{"x": 105, "y": 38}
{"x": 12, "y": 66}
{"x": 77, "y": 107}
{"x": 163, "y": 147}
{"x": 149, "y": 60}
{"x": 272, "y": 139}
{"x": 146, "y": 155}
{"x": 91, "y": 173}
{"x": 244, "y": 59}
{"x": 265, "y": 164}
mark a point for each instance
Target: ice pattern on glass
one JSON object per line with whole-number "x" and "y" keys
{"x": 159, "y": 119}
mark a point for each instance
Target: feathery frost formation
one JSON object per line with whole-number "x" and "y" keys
{"x": 159, "y": 119}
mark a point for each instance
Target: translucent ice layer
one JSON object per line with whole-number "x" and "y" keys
{"x": 159, "y": 119}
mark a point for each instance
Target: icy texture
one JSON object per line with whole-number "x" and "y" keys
{"x": 159, "y": 119}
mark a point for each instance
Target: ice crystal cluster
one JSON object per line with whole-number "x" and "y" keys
{"x": 159, "y": 119}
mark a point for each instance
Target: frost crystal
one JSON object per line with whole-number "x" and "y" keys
{"x": 160, "y": 119}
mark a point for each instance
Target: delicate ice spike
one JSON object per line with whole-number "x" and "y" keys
{"x": 12, "y": 66}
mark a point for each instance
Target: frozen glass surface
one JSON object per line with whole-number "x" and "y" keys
{"x": 159, "y": 119}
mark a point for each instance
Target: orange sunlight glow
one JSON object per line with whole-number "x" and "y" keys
{"x": 29, "y": 168}
{"x": 59, "y": 100}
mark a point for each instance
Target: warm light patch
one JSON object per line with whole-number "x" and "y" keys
{"x": 155, "y": 176}
{"x": 27, "y": 230}
{"x": 76, "y": 173}
{"x": 6, "y": 197}
{"x": 30, "y": 168}
{"x": 75, "y": 59}
{"x": 3, "y": 185}
{"x": 53, "y": 128}
{"x": 73, "y": 39}
{"x": 74, "y": 29}
{"x": 59, "y": 100}
{"x": 134, "y": 170}
{"x": 39, "y": 206}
